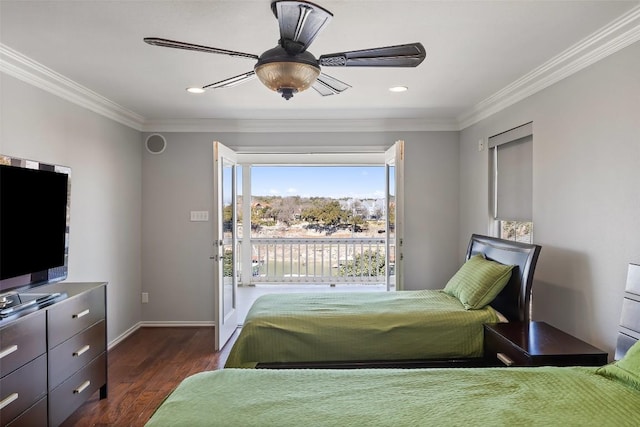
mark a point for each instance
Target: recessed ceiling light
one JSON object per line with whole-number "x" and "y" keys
{"x": 195, "y": 90}
{"x": 398, "y": 89}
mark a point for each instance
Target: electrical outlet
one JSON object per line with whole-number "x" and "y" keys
{"x": 481, "y": 144}
{"x": 145, "y": 297}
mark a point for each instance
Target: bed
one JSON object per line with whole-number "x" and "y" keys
{"x": 533, "y": 396}
{"x": 572, "y": 396}
{"x": 392, "y": 329}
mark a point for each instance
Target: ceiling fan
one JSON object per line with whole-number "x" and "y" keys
{"x": 289, "y": 68}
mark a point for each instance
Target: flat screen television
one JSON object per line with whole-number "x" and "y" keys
{"x": 34, "y": 223}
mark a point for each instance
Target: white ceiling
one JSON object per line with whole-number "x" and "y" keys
{"x": 481, "y": 56}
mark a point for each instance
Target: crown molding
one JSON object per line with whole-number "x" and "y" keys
{"x": 23, "y": 68}
{"x": 618, "y": 34}
{"x": 301, "y": 125}
{"x": 29, "y": 71}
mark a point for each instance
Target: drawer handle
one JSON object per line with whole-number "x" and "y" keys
{"x": 7, "y": 400}
{"x": 505, "y": 359}
{"x": 7, "y": 351}
{"x": 81, "y": 351}
{"x": 82, "y": 313}
{"x": 80, "y": 389}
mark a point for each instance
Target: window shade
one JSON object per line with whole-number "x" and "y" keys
{"x": 513, "y": 174}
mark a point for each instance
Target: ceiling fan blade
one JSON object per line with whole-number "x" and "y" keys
{"x": 300, "y": 22}
{"x": 326, "y": 85}
{"x": 406, "y": 55}
{"x": 232, "y": 81}
{"x": 188, "y": 46}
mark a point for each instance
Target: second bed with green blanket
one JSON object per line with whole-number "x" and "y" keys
{"x": 404, "y": 325}
{"x": 386, "y": 329}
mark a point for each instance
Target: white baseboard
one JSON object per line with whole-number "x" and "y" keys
{"x": 124, "y": 335}
{"x": 158, "y": 324}
{"x": 171, "y": 324}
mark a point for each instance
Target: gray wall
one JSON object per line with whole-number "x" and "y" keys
{"x": 105, "y": 158}
{"x": 175, "y": 261}
{"x": 586, "y": 207}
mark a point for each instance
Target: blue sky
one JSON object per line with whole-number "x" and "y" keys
{"x": 318, "y": 181}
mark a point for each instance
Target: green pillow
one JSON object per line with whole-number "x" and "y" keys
{"x": 478, "y": 282}
{"x": 625, "y": 370}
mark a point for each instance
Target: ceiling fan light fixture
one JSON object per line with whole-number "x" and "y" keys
{"x": 195, "y": 90}
{"x": 398, "y": 89}
{"x": 287, "y": 77}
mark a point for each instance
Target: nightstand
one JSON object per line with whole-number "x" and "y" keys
{"x": 537, "y": 344}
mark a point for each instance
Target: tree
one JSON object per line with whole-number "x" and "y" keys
{"x": 368, "y": 263}
{"x": 328, "y": 213}
{"x": 227, "y": 263}
{"x": 286, "y": 208}
{"x": 262, "y": 214}
{"x": 357, "y": 223}
{"x": 227, "y": 218}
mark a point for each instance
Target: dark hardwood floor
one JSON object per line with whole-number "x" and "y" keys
{"x": 143, "y": 369}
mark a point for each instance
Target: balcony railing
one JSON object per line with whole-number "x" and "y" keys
{"x": 319, "y": 260}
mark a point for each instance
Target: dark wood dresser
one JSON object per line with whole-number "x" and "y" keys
{"x": 53, "y": 359}
{"x": 537, "y": 344}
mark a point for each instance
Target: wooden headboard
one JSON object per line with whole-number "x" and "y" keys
{"x": 514, "y": 301}
{"x": 629, "y": 331}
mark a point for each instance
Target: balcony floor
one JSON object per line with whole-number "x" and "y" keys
{"x": 248, "y": 294}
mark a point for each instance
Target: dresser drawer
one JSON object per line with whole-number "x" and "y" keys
{"x": 22, "y": 341}
{"x": 68, "y": 357}
{"x": 72, "y": 393}
{"x": 35, "y": 416}
{"x": 22, "y": 388}
{"x": 69, "y": 317}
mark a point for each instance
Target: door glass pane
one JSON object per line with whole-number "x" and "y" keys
{"x": 239, "y": 224}
{"x": 229, "y": 213}
{"x": 391, "y": 224}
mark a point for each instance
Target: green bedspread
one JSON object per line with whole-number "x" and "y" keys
{"x": 547, "y": 396}
{"x": 427, "y": 324}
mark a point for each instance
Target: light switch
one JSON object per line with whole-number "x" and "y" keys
{"x": 199, "y": 215}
